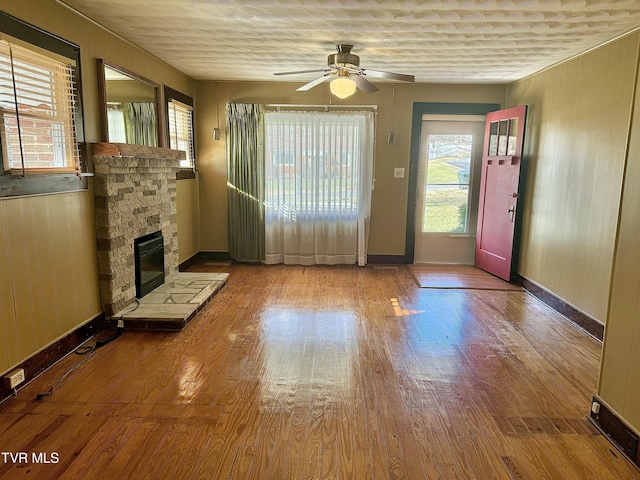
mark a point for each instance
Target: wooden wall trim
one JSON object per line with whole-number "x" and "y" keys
{"x": 225, "y": 257}
{"x": 47, "y": 357}
{"x": 204, "y": 257}
{"x": 188, "y": 263}
{"x": 390, "y": 259}
{"x": 615, "y": 429}
{"x": 587, "y": 323}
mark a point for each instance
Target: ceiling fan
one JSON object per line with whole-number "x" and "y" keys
{"x": 345, "y": 74}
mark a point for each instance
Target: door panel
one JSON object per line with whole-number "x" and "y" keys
{"x": 499, "y": 190}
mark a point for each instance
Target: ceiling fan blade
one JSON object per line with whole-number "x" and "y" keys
{"x": 363, "y": 84}
{"x": 303, "y": 71}
{"x": 388, "y": 75}
{"x": 315, "y": 82}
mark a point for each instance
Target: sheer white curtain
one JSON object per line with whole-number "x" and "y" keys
{"x": 115, "y": 120}
{"x": 318, "y": 178}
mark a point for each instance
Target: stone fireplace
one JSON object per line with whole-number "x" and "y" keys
{"x": 135, "y": 196}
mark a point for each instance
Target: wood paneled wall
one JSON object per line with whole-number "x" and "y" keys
{"x": 48, "y": 266}
{"x": 578, "y": 121}
{"x": 47, "y": 271}
{"x": 619, "y": 385}
{"x": 188, "y": 218}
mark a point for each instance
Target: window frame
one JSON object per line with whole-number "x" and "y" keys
{"x": 468, "y": 185}
{"x": 42, "y": 85}
{"x": 303, "y": 161}
{"x": 49, "y": 180}
{"x": 169, "y": 95}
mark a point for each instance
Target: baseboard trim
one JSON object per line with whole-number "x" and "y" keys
{"x": 587, "y": 323}
{"x": 48, "y": 356}
{"x": 188, "y": 263}
{"x": 388, "y": 259}
{"x": 616, "y": 430}
{"x": 225, "y": 257}
{"x": 204, "y": 257}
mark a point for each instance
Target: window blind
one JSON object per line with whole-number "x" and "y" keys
{"x": 37, "y": 110}
{"x": 181, "y": 130}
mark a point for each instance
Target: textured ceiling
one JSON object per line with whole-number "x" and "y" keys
{"x": 442, "y": 41}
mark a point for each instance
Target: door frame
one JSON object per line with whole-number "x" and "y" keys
{"x": 419, "y": 109}
{"x": 450, "y": 247}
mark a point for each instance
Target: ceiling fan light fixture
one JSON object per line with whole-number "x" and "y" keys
{"x": 342, "y": 87}
{"x": 346, "y": 76}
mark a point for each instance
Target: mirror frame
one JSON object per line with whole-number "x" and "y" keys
{"x": 102, "y": 99}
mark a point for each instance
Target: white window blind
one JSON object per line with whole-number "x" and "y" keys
{"x": 181, "y": 130}
{"x": 317, "y": 181}
{"x": 37, "y": 110}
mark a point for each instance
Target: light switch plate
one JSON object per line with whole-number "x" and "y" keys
{"x": 398, "y": 173}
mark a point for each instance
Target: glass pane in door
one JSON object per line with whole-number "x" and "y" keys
{"x": 502, "y": 137}
{"x": 446, "y": 187}
{"x": 493, "y": 139}
{"x": 513, "y": 136}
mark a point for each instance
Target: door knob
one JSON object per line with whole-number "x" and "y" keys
{"x": 515, "y": 195}
{"x": 511, "y": 211}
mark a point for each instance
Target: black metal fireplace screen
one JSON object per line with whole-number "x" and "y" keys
{"x": 149, "y": 263}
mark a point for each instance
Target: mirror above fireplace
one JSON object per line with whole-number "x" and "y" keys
{"x": 129, "y": 104}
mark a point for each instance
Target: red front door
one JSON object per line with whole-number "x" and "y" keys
{"x": 499, "y": 190}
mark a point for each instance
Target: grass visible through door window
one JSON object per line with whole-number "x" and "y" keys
{"x": 446, "y": 194}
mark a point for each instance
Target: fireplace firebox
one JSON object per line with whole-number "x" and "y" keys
{"x": 149, "y": 263}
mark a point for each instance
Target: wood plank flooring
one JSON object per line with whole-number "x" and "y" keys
{"x": 326, "y": 373}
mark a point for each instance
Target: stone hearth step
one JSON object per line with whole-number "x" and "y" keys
{"x": 173, "y": 304}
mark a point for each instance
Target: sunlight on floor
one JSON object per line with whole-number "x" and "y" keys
{"x": 400, "y": 312}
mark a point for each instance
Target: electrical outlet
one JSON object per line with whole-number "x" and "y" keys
{"x": 15, "y": 378}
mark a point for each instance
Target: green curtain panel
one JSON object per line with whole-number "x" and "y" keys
{"x": 140, "y": 123}
{"x": 245, "y": 181}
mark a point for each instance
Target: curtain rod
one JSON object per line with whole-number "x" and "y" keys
{"x": 326, "y": 107}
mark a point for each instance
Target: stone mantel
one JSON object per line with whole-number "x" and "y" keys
{"x": 135, "y": 195}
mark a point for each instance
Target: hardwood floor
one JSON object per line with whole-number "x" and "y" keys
{"x": 321, "y": 373}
